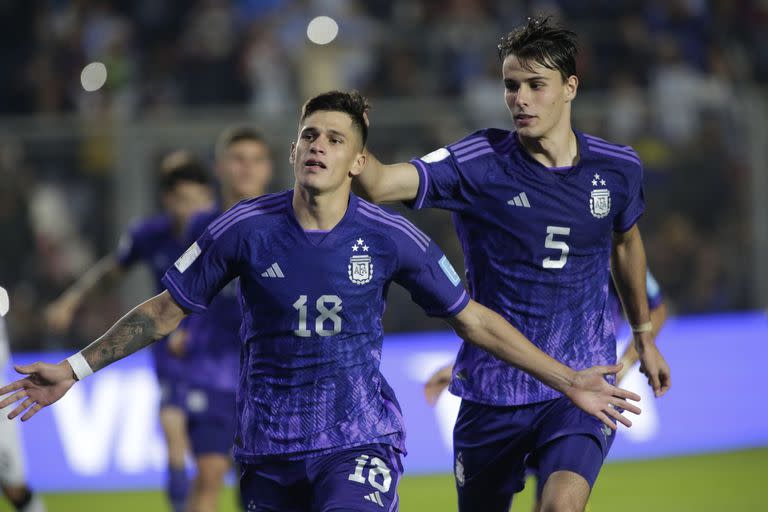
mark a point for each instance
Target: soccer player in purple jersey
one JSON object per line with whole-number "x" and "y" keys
{"x": 212, "y": 343}
{"x": 541, "y": 213}
{"x": 318, "y": 428}
{"x": 441, "y": 379}
{"x": 185, "y": 189}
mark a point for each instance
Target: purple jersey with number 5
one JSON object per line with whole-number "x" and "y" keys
{"x": 312, "y": 305}
{"x": 536, "y": 244}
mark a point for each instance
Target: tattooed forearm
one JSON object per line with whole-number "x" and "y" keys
{"x": 133, "y": 332}
{"x": 145, "y": 324}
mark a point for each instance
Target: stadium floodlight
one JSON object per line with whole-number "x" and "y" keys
{"x": 322, "y": 30}
{"x": 93, "y": 76}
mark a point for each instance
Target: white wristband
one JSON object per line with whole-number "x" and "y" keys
{"x": 646, "y": 327}
{"x": 80, "y": 366}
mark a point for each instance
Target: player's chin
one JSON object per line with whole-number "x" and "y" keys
{"x": 312, "y": 182}
{"x": 526, "y": 130}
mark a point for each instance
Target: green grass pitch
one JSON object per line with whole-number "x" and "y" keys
{"x": 716, "y": 482}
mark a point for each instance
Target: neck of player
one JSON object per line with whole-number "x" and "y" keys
{"x": 557, "y": 148}
{"x": 320, "y": 211}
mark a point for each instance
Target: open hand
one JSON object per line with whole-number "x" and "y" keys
{"x": 44, "y": 384}
{"x": 594, "y": 395}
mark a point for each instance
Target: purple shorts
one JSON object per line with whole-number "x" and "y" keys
{"x": 495, "y": 445}
{"x": 363, "y": 478}
{"x": 173, "y": 392}
{"x": 211, "y": 420}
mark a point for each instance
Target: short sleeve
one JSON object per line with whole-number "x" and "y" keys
{"x": 443, "y": 174}
{"x": 653, "y": 290}
{"x": 635, "y": 206}
{"x": 431, "y": 280}
{"x": 203, "y": 270}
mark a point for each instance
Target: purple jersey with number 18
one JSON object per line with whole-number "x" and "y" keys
{"x": 312, "y": 305}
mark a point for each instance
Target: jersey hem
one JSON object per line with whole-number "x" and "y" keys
{"x": 309, "y": 454}
{"x": 179, "y": 296}
{"x": 472, "y": 397}
{"x": 627, "y": 226}
{"x": 457, "y": 308}
{"x": 417, "y": 203}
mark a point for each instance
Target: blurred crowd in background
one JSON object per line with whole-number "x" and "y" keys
{"x": 669, "y": 77}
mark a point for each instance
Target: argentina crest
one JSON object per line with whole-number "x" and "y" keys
{"x": 599, "y": 199}
{"x": 360, "y": 267}
{"x": 600, "y": 202}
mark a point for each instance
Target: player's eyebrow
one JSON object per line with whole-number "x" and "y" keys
{"x": 337, "y": 133}
{"x": 314, "y": 131}
{"x": 527, "y": 79}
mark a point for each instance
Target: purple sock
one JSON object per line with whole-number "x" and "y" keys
{"x": 177, "y": 488}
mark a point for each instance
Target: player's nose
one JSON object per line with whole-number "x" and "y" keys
{"x": 521, "y": 98}
{"x": 317, "y": 147}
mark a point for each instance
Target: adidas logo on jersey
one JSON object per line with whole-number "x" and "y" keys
{"x": 273, "y": 271}
{"x": 520, "y": 200}
{"x": 375, "y": 497}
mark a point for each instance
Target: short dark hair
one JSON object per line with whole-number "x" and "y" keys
{"x": 189, "y": 171}
{"x": 542, "y": 43}
{"x": 235, "y": 134}
{"x": 351, "y": 103}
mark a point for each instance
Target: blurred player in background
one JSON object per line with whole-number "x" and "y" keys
{"x": 440, "y": 380}
{"x": 212, "y": 344}
{"x": 319, "y": 427}
{"x": 12, "y": 479}
{"x": 658, "y": 311}
{"x": 185, "y": 188}
{"x": 542, "y": 213}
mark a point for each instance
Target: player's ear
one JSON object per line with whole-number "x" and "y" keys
{"x": 571, "y": 86}
{"x": 359, "y": 164}
{"x": 292, "y": 154}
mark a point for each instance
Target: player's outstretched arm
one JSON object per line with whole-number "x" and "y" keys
{"x": 588, "y": 389}
{"x": 46, "y": 383}
{"x": 381, "y": 183}
{"x": 436, "y": 383}
{"x": 629, "y": 274}
{"x": 630, "y": 356}
{"x": 59, "y": 313}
